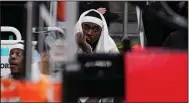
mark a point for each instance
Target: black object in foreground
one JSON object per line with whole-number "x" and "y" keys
{"x": 95, "y": 81}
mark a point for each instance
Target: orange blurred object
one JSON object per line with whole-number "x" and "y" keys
{"x": 29, "y": 91}
{"x": 57, "y": 90}
{"x": 7, "y": 90}
{"x": 61, "y": 10}
{"x": 26, "y": 91}
{"x": 137, "y": 48}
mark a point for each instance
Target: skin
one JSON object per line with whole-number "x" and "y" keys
{"x": 45, "y": 63}
{"x": 102, "y": 10}
{"x": 16, "y": 58}
{"x": 91, "y": 33}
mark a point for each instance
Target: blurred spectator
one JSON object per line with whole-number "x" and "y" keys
{"x": 177, "y": 40}
{"x": 155, "y": 30}
{"x": 101, "y": 6}
{"x": 180, "y": 7}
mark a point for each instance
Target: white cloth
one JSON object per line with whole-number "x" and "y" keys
{"x": 19, "y": 46}
{"x": 105, "y": 44}
{"x": 93, "y": 20}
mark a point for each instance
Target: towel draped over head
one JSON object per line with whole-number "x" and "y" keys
{"x": 105, "y": 43}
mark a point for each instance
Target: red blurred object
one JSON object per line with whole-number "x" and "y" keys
{"x": 61, "y": 10}
{"x": 156, "y": 76}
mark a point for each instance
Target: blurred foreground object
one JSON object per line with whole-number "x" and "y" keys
{"x": 150, "y": 75}
{"x": 61, "y": 10}
{"x": 28, "y": 91}
{"x": 177, "y": 40}
{"x": 155, "y": 75}
{"x": 160, "y": 18}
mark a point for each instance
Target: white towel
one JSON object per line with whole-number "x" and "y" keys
{"x": 105, "y": 44}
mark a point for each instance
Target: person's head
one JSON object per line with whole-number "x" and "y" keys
{"x": 16, "y": 58}
{"x": 92, "y": 26}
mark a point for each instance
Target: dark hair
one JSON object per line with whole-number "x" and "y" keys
{"x": 94, "y": 14}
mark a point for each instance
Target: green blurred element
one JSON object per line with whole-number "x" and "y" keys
{"x": 11, "y": 37}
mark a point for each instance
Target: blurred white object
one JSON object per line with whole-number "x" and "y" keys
{"x": 35, "y": 56}
{"x": 13, "y": 30}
